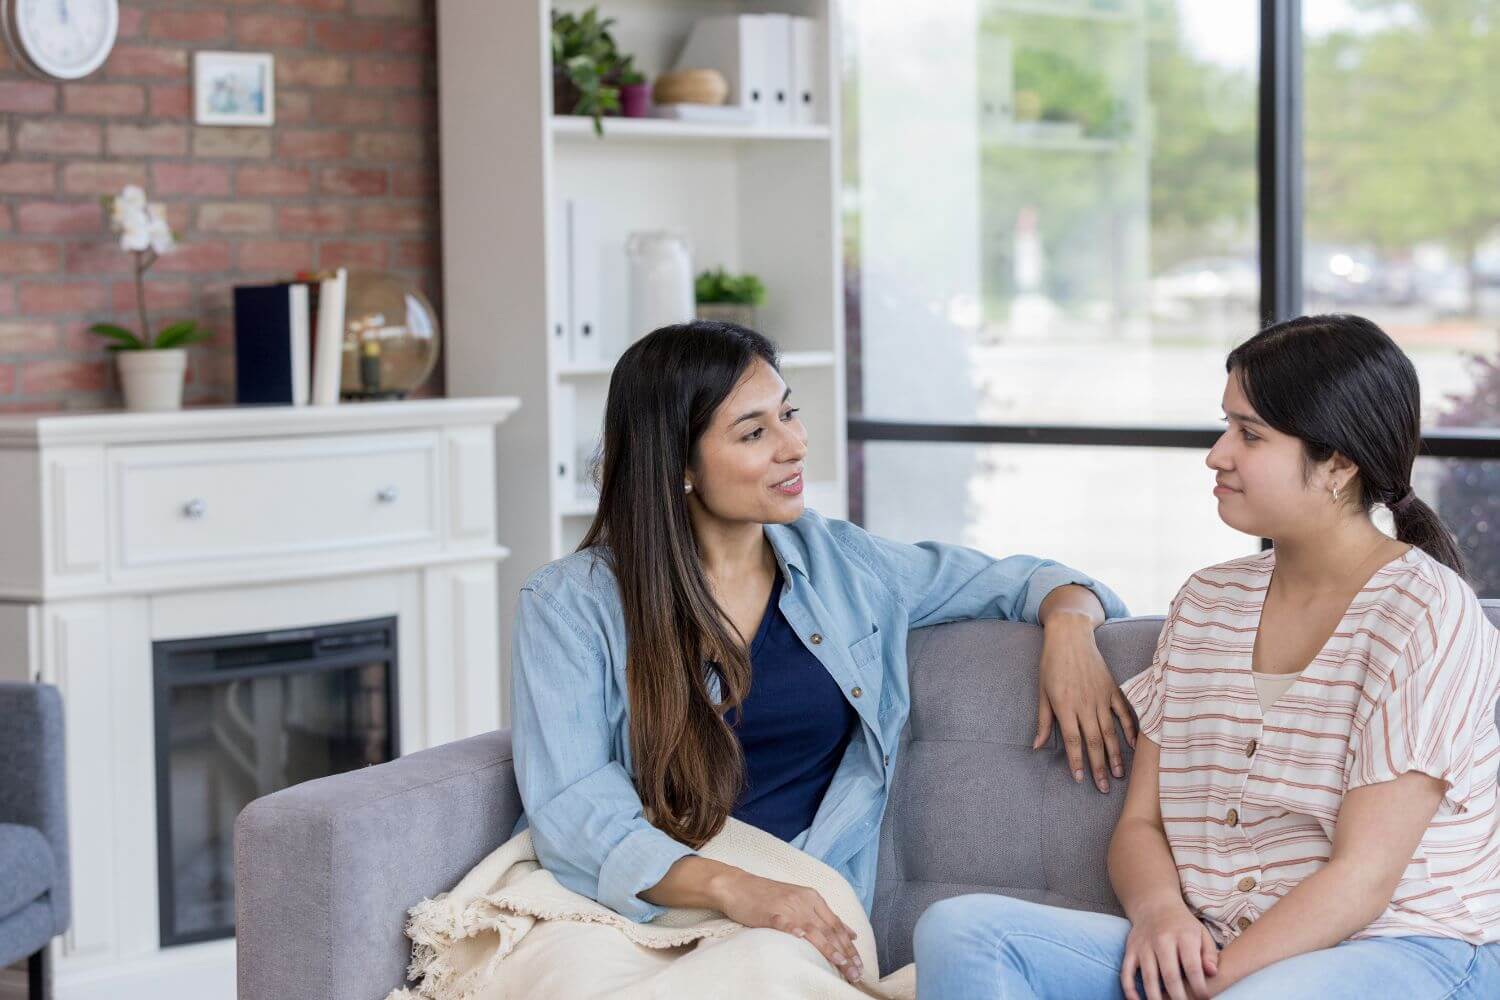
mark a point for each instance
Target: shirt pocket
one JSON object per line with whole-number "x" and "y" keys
{"x": 866, "y": 652}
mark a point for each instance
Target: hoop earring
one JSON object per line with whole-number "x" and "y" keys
{"x": 687, "y": 487}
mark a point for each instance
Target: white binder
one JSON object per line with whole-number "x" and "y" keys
{"x": 565, "y": 443}
{"x": 557, "y": 286}
{"x": 776, "y": 31}
{"x": 585, "y": 260}
{"x": 807, "y": 69}
{"x": 735, "y": 45}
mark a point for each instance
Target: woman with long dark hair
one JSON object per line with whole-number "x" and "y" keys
{"x": 1312, "y": 811}
{"x": 714, "y": 650}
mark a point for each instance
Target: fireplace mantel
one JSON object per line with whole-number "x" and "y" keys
{"x": 121, "y": 530}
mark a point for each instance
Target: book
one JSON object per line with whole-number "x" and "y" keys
{"x": 272, "y": 344}
{"x": 328, "y": 344}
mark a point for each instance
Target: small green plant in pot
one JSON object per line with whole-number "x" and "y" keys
{"x": 728, "y": 297}
{"x": 588, "y": 70}
{"x": 151, "y": 368}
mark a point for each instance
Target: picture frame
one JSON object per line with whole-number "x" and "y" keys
{"x": 234, "y": 88}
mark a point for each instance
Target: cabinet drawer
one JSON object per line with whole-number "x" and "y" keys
{"x": 203, "y": 505}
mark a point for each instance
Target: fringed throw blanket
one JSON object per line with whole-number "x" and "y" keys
{"x": 510, "y": 930}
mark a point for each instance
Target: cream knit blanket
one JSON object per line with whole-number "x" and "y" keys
{"x": 510, "y": 930}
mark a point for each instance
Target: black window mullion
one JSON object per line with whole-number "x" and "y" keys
{"x": 1279, "y": 156}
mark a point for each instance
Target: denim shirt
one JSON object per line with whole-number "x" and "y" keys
{"x": 851, "y": 596}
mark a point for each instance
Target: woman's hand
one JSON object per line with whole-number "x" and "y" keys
{"x": 1078, "y": 692}
{"x": 761, "y": 902}
{"x": 1174, "y": 953}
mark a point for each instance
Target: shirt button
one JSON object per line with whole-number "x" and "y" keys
{"x": 1233, "y": 819}
{"x": 887, "y": 760}
{"x": 1247, "y": 883}
{"x": 1250, "y": 748}
{"x": 1243, "y": 923}
{"x": 857, "y": 691}
{"x": 815, "y": 639}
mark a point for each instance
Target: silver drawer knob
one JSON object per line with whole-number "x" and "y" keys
{"x": 387, "y": 494}
{"x": 194, "y": 509}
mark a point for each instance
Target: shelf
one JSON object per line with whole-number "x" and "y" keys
{"x": 1077, "y": 12}
{"x": 792, "y": 359}
{"x": 581, "y": 128}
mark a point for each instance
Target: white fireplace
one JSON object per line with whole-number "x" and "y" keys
{"x": 192, "y": 565}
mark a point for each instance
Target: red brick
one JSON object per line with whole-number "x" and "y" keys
{"x": 416, "y": 254}
{"x": 309, "y": 145}
{"x": 232, "y": 143}
{"x": 293, "y": 107}
{"x": 349, "y": 109}
{"x": 60, "y": 298}
{"x": 148, "y": 140}
{"x": 5, "y": 224}
{"x": 4, "y": 133}
{"x": 99, "y": 257}
{"x": 63, "y": 376}
{"x": 314, "y": 4}
{"x": 312, "y": 71}
{"x": 389, "y": 72}
{"x": 415, "y": 182}
{"x": 131, "y": 21}
{"x": 145, "y": 61}
{"x": 276, "y": 255}
{"x": 160, "y": 295}
{"x": 102, "y": 178}
{"x": 346, "y": 253}
{"x": 394, "y": 218}
{"x": 58, "y": 136}
{"x": 197, "y": 257}
{"x": 7, "y": 293}
{"x": 271, "y": 180}
{"x": 417, "y": 112}
{"x": 272, "y": 30}
{"x": 314, "y": 218}
{"x": 22, "y": 337}
{"x": 386, "y": 146}
{"x": 27, "y": 96}
{"x": 353, "y": 181}
{"x": 60, "y": 218}
{"x": 7, "y": 379}
{"x": 234, "y": 217}
{"x": 349, "y": 36}
{"x": 190, "y": 178}
{"x": 408, "y": 9}
{"x": 29, "y": 258}
{"x": 28, "y": 178}
{"x": 188, "y": 25}
{"x": 40, "y": 406}
{"x": 171, "y": 100}
{"x": 416, "y": 39}
{"x": 104, "y": 99}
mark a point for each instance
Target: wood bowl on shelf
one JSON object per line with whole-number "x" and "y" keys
{"x": 691, "y": 86}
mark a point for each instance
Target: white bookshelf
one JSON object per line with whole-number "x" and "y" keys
{"x": 758, "y": 199}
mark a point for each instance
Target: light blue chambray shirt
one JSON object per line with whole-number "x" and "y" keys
{"x": 850, "y": 595}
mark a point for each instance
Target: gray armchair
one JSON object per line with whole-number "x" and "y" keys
{"x": 34, "y": 890}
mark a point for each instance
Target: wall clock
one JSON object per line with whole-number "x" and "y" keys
{"x": 62, "y": 39}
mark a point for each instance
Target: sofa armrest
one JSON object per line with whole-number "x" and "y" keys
{"x": 33, "y": 777}
{"x": 325, "y": 870}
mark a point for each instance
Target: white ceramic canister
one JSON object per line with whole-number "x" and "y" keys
{"x": 661, "y": 281}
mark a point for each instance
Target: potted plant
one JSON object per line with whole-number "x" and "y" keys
{"x": 590, "y": 76}
{"x": 151, "y": 369}
{"x": 729, "y": 298}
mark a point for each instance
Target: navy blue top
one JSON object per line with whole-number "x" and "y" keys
{"x": 793, "y": 727}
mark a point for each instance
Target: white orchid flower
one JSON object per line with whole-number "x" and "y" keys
{"x": 159, "y": 231}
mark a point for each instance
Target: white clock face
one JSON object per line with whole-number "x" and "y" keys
{"x": 67, "y": 38}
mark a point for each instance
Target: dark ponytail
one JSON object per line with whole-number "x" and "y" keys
{"x": 1340, "y": 384}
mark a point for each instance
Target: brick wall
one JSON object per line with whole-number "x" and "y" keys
{"x": 347, "y": 176}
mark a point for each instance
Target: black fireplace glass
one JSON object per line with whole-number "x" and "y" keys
{"x": 241, "y": 716}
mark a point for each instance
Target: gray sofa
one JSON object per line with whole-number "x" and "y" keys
{"x": 324, "y": 871}
{"x": 34, "y": 887}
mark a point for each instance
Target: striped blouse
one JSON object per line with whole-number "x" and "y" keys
{"x": 1407, "y": 682}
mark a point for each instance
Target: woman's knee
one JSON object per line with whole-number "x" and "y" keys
{"x": 961, "y": 920}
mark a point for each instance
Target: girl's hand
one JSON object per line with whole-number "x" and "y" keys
{"x": 1078, "y": 692}
{"x": 1174, "y": 954}
{"x": 761, "y": 902}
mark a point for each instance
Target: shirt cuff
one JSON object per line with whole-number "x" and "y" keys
{"x": 1049, "y": 576}
{"x": 636, "y": 864}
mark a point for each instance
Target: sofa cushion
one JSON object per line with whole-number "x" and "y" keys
{"x": 25, "y": 867}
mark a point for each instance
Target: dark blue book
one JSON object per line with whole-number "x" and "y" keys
{"x": 272, "y": 348}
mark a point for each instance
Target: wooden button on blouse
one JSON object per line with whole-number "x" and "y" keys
{"x": 1247, "y": 883}
{"x": 1233, "y": 818}
{"x": 1243, "y": 923}
{"x": 1250, "y": 748}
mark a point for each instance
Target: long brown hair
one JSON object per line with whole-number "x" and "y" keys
{"x": 662, "y": 395}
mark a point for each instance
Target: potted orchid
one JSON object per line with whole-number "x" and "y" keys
{"x": 151, "y": 368}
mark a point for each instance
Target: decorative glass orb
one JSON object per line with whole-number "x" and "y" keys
{"x": 390, "y": 337}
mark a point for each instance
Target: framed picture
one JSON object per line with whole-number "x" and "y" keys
{"x": 234, "y": 88}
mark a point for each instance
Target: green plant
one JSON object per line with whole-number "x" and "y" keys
{"x": 146, "y": 236}
{"x": 585, "y": 52}
{"x": 173, "y": 335}
{"x": 721, "y": 286}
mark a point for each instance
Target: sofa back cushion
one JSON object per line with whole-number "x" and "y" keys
{"x": 973, "y": 808}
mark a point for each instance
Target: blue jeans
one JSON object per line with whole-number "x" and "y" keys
{"x": 993, "y": 947}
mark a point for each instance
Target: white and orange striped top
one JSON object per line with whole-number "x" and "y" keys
{"x": 1407, "y": 682}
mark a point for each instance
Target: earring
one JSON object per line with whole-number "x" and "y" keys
{"x": 1336, "y": 494}
{"x": 687, "y": 487}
